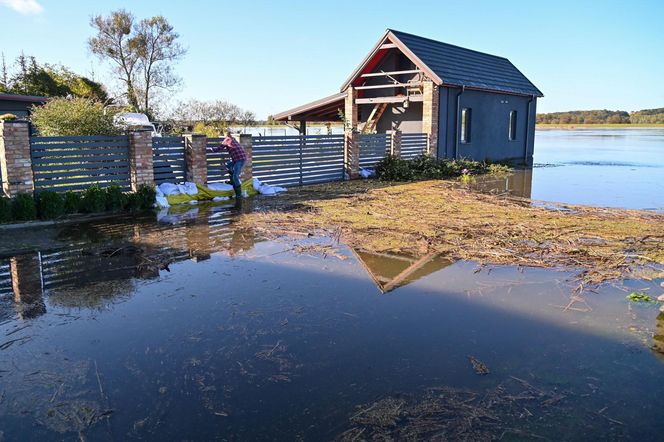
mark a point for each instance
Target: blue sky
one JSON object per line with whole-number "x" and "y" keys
{"x": 269, "y": 56}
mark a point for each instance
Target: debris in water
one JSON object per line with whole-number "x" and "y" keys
{"x": 479, "y": 367}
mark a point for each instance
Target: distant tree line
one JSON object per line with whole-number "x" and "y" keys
{"x": 646, "y": 116}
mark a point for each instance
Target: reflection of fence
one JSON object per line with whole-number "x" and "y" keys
{"x": 373, "y": 148}
{"x": 291, "y": 160}
{"x": 74, "y": 163}
{"x": 413, "y": 145}
{"x": 216, "y": 162}
{"x": 168, "y": 159}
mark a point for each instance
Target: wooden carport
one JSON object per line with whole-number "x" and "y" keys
{"x": 323, "y": 110}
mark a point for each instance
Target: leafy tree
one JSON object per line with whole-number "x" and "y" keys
{"x": 71, "y": 117}
{"x": 31, "y": 78}
{"x": 142, "y": 54}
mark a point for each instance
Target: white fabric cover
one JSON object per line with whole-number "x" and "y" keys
{"x": 220, "y": 186}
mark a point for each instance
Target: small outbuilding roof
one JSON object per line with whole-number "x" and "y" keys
{"x": 23, "y": 98}
{"x": 325, "y": 109}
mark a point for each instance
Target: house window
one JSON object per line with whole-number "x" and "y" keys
{"x": 466, "y": 114}
{"x": 512, "y": 128}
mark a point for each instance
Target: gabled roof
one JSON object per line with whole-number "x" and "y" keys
{"x": 451, "y": 65}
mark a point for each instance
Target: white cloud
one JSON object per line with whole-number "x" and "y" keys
{"x": 26, "y": 7}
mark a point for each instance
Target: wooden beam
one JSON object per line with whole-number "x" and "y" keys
{"x": 395, "y": 99}
{"x": 388, "y": 46}
{"x": 382, "y": 74}
{"x": 386, "y": 86}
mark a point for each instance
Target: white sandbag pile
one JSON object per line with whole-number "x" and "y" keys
{"x": 266, "y": 189}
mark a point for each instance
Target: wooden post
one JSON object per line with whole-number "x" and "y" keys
{"x": 195, "y": 146}
{"x": 352, "y": 154}
{"x": 246, "y": 141}
{"x": 15, "y": 159}
{"x": 141, "y": 169}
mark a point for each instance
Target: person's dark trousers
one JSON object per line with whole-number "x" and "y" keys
{"x": 235, "y": 169}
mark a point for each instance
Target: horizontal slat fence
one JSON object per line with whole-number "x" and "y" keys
{"x": 373, "y": 148}
{"x": 76, "y": 163}
{"x": 168, "y": 159}
{"x": 413, "y": 145}
{"x": 298, "y": 160}
{"x": 216, "y": 162}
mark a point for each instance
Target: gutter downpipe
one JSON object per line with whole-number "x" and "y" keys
{"x": 456, "y": 122}
{"x": 525, "y": 153}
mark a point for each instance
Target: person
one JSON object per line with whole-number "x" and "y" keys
{"x": 236, "y": 163}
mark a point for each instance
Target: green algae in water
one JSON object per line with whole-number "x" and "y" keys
{"x": 640, "y": 297}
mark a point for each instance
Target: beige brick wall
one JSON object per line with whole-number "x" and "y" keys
{"x": 15, "y": 162}
{"x": 196, "y": 158}
{"x": 395, "y": 143}
{"x": 350, "y": 110}
{"x": 430, "y": 115}
{"x": 140, "y": 159}
{"x": 352, "y": 154}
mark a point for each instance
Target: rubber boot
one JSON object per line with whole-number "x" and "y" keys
{"x": 238, "y": 192}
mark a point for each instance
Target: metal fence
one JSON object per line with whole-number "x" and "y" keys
{"x": 413, "y": 145}
{"x": 216, "y": 162}
{"x": 168, "y": 159}
{"x": 75, "y": 163}
{"x": 373, "y": 148}
{"x": 298, "y": 160}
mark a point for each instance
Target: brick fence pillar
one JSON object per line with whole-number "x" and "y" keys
{"x": 246, "y": 142}
{"x": 350, "y": 110}
{"x": 395, "y": 143}
{"x": 25, "y": 271}
{"x": 431, "y": 97}
{"x": 196, "y": 158}
{"x": 352, "y": 154}
{"x": 140, "y": 158}
{"x": 15, "y": 161}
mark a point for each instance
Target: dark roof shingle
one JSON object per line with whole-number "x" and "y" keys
{"x": 464, "y": 67}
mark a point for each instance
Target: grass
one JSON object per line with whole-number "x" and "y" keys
{"x": 440, "y": 217}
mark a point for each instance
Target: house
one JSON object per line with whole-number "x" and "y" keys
{"x": 19, "y": 105}
{"x": 470, "y": 104}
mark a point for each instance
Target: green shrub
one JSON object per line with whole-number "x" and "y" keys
{"x": 23, "y": 207}
{"x": 93, "y": 200}
{"x": 147, "y": 196}
{"x": 7, "y": 117}
{"x": 5, "y": 209}
{"x": 134, "y": 202}
{"x": 115, "y": 198}
{"x": 425, "y": 167}
{"x": 72, "y": 202}
{"x": 50, "y": 205}
{"x": 77, "y": 116}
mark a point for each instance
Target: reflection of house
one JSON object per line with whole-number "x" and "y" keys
{"x": 470, "y": 104}
{"x": 390, "y": 270}
{"x": 519, "y": 183}
{"x": 658, "y": 338}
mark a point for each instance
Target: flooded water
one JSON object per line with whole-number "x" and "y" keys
{"x": 598, "y": 167}
{"x": 191, "y": 329}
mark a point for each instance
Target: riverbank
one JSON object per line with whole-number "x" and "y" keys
{"x": 439, "y": 217}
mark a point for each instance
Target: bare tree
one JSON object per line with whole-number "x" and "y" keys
{"x": 114, "y": 42}
{"x": 143, "y": 54}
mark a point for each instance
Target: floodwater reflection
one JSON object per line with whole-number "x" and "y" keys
{"x": 191, "y": 329}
